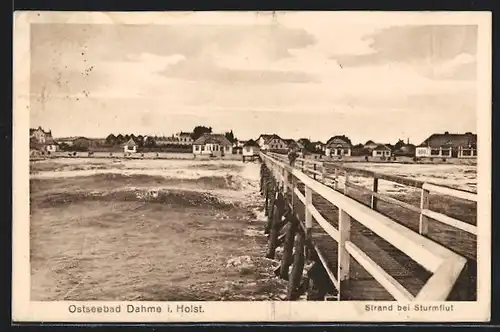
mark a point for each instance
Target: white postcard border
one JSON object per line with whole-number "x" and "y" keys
{"x": 23, "y": 309}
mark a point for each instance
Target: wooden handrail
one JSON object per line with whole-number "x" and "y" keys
{"x": 442, "y": 262}
{"x": 446, "y": 190}
{"x": 426, "y": 188}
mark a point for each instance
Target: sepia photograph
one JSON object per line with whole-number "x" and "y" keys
{"x": 252, "y": 166}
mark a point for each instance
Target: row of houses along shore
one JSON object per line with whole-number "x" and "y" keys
{"x": 438, "y": 145}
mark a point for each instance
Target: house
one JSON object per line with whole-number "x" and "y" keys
{"x": 40, "y": 135}
{"x": 381, "y": 150}
{"x": 370, "y": 145}
{"x": 292, "y": 144}
{"x": 82, "y": 143}
{"x": 181, "y": 139}
{"x": 448, "y": 146}
{"x": 338, "y": 146}
{"x": 130, "y": 146}
{"x": 48, "y": 145}
{"x": 250, "y": 149}
{"x": 240, "y": 144}
{"x": 319, "y": 146}
{"x": 407, "y": 150}
{"x": 271, "y": 142}
{"x": 213, "y": 145}
{"x": 66, "y": 140}
{"x": 184, "y": 138}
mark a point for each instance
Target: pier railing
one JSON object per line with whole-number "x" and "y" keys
{"x": 444, "y": 264}
{"x": 318, "y": 170}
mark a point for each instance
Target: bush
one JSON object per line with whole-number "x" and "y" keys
{"x": 415, "y": 158}
{"x": 431, "y": 159}
{"x": 444, "y": 159}
{"x": 366, "y": 158}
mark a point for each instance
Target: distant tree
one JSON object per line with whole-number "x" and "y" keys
{"x": 399, "y": 144}
{"x": 140, "y": 140}
{"x": 199, "y": 131}
{"x": 150, "y": 142}
{"x": 230, "y": 136}
{"x": 127, "y": 137}
{"x": 120, "y": 139}
{"x": 111, "y": 139}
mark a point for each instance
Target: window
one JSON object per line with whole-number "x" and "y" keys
{"x": 202, "y": 148}
{"x": 434, "y": 152}
{"x": 378, "y": 153}
{"x": 196, "y": 148}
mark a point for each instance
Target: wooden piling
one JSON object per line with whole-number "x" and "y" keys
{"x": 319, "y": 282}
{"x": 275, "y": 226}
{"x": 297, "y": 268}
{"x": 288, "y": 247}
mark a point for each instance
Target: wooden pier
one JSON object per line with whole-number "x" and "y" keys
{"x": 343, "y": 241}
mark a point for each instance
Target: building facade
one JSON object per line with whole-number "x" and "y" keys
{"x": 381, "y": 150}
{"x": 216, "y": 145}
{"x": 271, "y": 142}
{"x": 130, "y": 146}
{"x": 338, "y": 146}
{"x": 448, "y": 146}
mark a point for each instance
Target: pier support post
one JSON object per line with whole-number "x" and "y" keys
{"x": 275, "y": 225}
{"x": 262, "y": 178}
{"x": 297, "y": 269}
{"x": 344, "y": 259}
{"x": 288, "y": 247}
{"x": 271, "y": 198}
{"x": 319, "y": 282}
{"x": 308, "y": 221}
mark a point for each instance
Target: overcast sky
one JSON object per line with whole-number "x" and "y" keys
{"x": 297, "y": 79}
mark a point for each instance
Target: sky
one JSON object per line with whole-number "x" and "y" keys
{"x": 288, "y": 76}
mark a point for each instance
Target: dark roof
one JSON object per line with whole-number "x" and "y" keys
{"x": 212, "y": 139}
{"x": 450, "y": 140}
{"x": 268, "y": 137}
{"x": 32, "y": 130}
{"x": 318, "y": 143}
{"x": 289, "y": 141}
{"x": 369, "y": 142}
{"x": 339, "y": 140}
{"x": 66, "y": 138}
{"x": 131, "y": 143}
{"x": 382, "y": 147}
{"x": 250, "y": 142}
{"x": 339, "y": 137}
{"x": 184, "y": 134}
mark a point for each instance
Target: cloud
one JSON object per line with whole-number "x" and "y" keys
{"x": 205, "y": 70}
{"x": 320, "y": 77}
{"x": 461, "y": 67}
{"x": 431, "y": 44}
